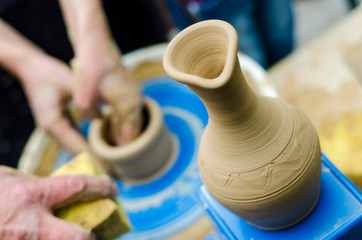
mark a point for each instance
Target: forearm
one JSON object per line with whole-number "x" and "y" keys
{"x": 98, "y": 70}
{"x": 85, "y": 22}
{"x": 17, "y": 53}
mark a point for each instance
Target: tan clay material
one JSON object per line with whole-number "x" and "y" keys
{"x": 144, "y": 156}
{"x": 123, "y": 93}
{"x": 259, "y": 157}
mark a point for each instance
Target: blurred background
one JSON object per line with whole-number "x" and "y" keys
{"x": 314, "y": 17}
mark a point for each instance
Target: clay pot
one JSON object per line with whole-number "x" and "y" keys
{"x": 145, "y": 156}
{"x": 259, "y": 157}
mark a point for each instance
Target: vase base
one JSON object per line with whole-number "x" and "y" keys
{"x": 337, "y": 215}
{"x": 296, "y": 221}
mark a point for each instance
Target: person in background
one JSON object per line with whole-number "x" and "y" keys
{"x": 35, "y": 53}
{"x": 265, "y": 27}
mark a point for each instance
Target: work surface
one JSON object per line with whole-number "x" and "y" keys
{"x": 324, "y": 79}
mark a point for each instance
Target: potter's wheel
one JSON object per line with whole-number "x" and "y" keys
{"x": 166, "y": 205}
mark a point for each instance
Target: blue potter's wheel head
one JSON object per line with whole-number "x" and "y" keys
{"x": 166, "y": 204}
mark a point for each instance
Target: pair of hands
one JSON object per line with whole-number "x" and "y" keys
{"x": 52, "y": 83}
{"x": 96, "y": 73}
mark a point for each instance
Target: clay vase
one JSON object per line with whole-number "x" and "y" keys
{"x": 259, "y": 157}
{"x": 144, "y": 157}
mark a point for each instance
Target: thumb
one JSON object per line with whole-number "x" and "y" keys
{"x": 67, "y": 136}
{"x": 57, "y": 229}
{"x": 85, "y": 86}
{"x": 85, "y": 94}
{"x": 62, "y": 190}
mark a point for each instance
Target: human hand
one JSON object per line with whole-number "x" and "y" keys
{"x": 99, "y": 72}
{"x": 48, "y": 89}
{"x": 27, "y": 203}
{"x": 113, "y": 85}
{"x": 46, "y": 82}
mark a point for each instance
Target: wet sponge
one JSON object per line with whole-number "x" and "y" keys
{"x": 103, "y": 217}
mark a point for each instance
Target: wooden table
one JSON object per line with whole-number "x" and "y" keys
{"x": 324, "y": 79}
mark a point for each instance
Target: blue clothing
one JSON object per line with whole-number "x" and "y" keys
{"x": 265, "y": 27}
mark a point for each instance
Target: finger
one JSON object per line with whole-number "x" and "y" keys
{"x": 57, "y": 229}
{"x": 62, "y": 190}
{"x": 85, "y": 91}
{"x": 68, "y": 137}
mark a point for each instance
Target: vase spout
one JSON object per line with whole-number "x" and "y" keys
{"x": 202, "y": 55}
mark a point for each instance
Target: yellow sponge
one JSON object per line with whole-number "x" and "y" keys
{"x": 104, "y": 217}
{"x": 342, "y": 142}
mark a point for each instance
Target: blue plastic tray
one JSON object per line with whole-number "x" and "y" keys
{"x": 337, "y": 215}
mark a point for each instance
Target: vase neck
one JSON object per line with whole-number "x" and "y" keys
{"x": 232, "y": 103}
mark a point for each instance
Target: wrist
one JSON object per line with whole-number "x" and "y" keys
{"x": 23, "y": 64}
{"x": 92, "y": 25}
{"x": 16, "y": 52}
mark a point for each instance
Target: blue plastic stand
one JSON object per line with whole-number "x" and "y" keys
{"x": 337, "y": 215}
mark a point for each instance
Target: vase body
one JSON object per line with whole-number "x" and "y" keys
{"x": 144, "y": 157}
{"x": 258, "y": 156}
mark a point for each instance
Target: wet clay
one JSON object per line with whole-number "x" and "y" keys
{"x": 142, "y": 158}
{"x": 259, "y": 157}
